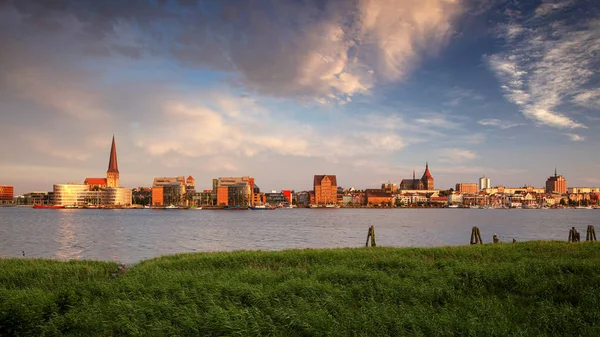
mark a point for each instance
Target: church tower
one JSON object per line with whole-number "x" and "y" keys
{"x": 427, "y": 178}
{"x": 112, "y": 175}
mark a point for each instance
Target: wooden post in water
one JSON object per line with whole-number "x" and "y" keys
{"x": 591, "y": 234}
{"x": 371, "y": 235}
{"x": 476, "y": 236}
{"x": 574, "y": 235}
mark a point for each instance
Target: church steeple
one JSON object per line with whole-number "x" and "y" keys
{"x": 112, "y": 174}
{"x": 112, "y": 161}
{"x": 555, "y": 174}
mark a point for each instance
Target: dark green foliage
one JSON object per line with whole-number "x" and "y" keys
{"x": 531, "y": 288}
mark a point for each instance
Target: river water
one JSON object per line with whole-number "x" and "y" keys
{"x": 130, "y": 236}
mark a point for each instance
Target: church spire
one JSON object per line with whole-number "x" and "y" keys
{"x": 555, "y": 174}
{"x": 112, "y": 162}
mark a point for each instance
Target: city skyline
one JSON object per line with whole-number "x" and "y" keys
{"x": 283, "y": 91}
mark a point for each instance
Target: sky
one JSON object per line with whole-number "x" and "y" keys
{"x": 368, "y": 90}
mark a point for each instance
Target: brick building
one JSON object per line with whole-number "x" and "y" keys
{"x": 556, "y": 184}
{"x": 425, "y": 183}
{"x": 468, "y": 188}
{"x": 378, "y": 197}
{"x": 325, "y": 189}
{"x": 7, "y": 194}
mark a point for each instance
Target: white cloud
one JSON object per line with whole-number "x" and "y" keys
{"x": 498, "y": 123}
{"x": 547, "y": 66}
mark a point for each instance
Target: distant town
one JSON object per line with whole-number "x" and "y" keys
{"x": 243, "y": 193}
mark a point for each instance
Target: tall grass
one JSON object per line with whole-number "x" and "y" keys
{"x": 532, "y": 288}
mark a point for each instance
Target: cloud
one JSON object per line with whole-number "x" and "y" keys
{"x": 498, "y": 123}
{"x": 552, "y": 6}
{"x": 589, "y": 98}
{"x": 458, "y": 94}
{"x": 548, "y": 64}
{"x": 328, "y": 51}
{"x": 575, "y": 137}
{"x": 437, "y": 120}
{"x": 205, "y": 128}
{"x": 455, "y": 155}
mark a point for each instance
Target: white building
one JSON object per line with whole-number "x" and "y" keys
{"x": 484, "y": 183}
{"x": 455, "y": 198}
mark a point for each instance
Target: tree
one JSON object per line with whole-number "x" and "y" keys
{"x": 562, "y": 202}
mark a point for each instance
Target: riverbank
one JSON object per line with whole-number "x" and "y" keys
{"x": 531, "y": 288}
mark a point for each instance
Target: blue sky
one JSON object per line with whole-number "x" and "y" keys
{"x": 367, "y": 90}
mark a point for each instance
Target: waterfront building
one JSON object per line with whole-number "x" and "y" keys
{"x": 556, "y": 184}
{"x": 389, "y": 187}
{"x": 325, "y": 189}
{"x": 347, "y": 199}
{"x": 583, "y": 190}
{"x": 303, "y": 198}
{"x": 425, "y": 183}
{"x": 98, "y": 191}
{"x": 112, "y": 174}
{"x": 174, "y": 192}
{"x": 190, "y": 185}
{"x": 514, "y": 190}
{"x": 378, "y": 197}
{"x": 235, "y": 191}
{"x": 469, "y": 188}
{"x": 288, "y": 195}
{"x": 7, "y": 193}
{"x": 276, "y": 198}
{"x": 484, "y": 182}
{"x": 73, "y": 194}
{"x": 455, "y": 198}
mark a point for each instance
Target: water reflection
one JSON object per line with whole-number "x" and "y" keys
{"x": 69, "y": 249}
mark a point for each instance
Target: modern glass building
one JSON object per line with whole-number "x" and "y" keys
{"x": 80, "y": 195}
{"x": 116, "y": 196}
{"x": 72, "y": 194}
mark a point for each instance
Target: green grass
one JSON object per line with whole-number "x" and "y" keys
{"x": 531, "y": 288}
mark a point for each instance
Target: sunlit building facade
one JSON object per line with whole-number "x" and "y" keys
{"x": 556, "y": 184}
{"x": 6, "y": 194}
{"x": 325, "y": 189}
{"x": 74, "y": 195}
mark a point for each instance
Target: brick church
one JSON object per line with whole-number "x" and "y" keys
{"x": 425, "y": 183}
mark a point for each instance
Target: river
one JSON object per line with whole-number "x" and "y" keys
{"x": 130, "y": 236}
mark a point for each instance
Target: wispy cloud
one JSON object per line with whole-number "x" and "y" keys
{"x": 498, "y": 123}
{"x": 437, "y": 120}
{"x": 575, "y": 137}
{"x": 548, "y": 7}
{"x": 457, "y": 95}
{"x": 546, "y": 64}
{"x": 455, "y": 155}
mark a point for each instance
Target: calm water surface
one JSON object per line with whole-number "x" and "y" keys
{"x": 130, "y": 236}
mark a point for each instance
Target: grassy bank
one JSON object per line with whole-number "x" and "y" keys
{"x": 532, "y": 288}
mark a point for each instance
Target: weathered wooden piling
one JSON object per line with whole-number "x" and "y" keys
{"x": 574, "y": 235}
{"x": 476, "y": 236}
{"x": 371, "y": 235}
{"x": 591, "y": 234}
